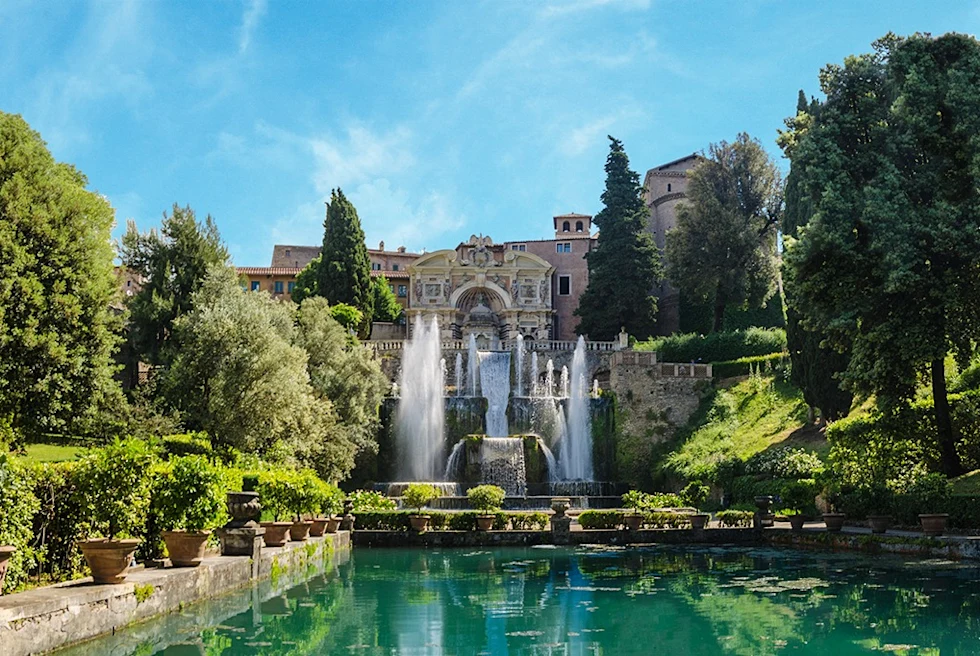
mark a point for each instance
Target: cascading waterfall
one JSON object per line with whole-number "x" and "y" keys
{"x": 495, "y": 385}
{"x": 458, "y": 375}
{"x": 454, "y": 466}
{"x": 420, "y": 417}
{"x": 549, "y": 458}
{"x": 472, "y": 364}
{"x": 575, "y": 458}
{"x": 519, "y": 367}
{"x": 502, "y": 463}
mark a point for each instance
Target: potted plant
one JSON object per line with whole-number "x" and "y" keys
{"x": 326, "y": 503}
{"x": 933, "y": 524}
{"x": 273, "y": 492}
{"x": 930, "y": 493}
{"x": 487, "y": 500}
{"x": 114, "y": 486}
{"x": 798, "y": 498}
{"x": 635, "y": 500}
{"x": 302, "y": 491}
{"x": 188, "y": 498}
{"x": 418, "y": 495}
{"x": 695, "y": 494}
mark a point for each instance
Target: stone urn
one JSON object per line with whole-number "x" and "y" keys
{"x": 347, "y": 521}
{"x": 485, "y": 522}
{"x": 419, "y": 522}
{"x": 300, "y": 531}
{"x": 333, "y": 523}
{"x": 764, "y": 504}
{"x": 108, "y": 559}
{"x": 834, "y": 521}
{"x": 5, "y": 555}
{"x": 276, "y": 533}
{"x": 244, "y": 508}
{"x": 934, "y": 524}
{"x": 699, "y": 521}
{"x": 560, "y": 505}
{"x": 879, "y": 523}
{"x": 796, "y": 522}
{"x": 318, "y": 526}
{"x": 633, "y": 521}
{"x": 186, "y": 548}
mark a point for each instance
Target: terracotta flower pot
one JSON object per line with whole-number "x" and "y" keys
{"x": 485, "y": 522}
{"x": 699, "y": 521}
{"x": 796, "y": 522}
{"x": 633, "y": 521}
{"x": 108, "y": 559}
{"x": 276, "y": 533}
{"x": 300, "y": 531}
{"x": 879, "y": 523}
{"x": 419, "y": 522}
{"x": 934, "y": 524}
{"x": 5, "y": 554}
{"x": 834, "y": 521}
{"x": 186, "y": 548}
{"x": 319, "y": 527}
{"x": 333, "y": 523}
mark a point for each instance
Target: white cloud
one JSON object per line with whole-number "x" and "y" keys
{"x": 250, "y": 21}
{"x": 578, "y": 6}
{"x": 583, "y": 137}
{"x": 389, "y": 214}
{"x": 360, "y": 157}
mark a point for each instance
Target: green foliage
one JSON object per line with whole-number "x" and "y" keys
{"x": 57, "y": 330}
{"x": 367, "y": 500}
{"x": 304, "y": 494}
{"x": 114, "y": 484}
{"x": 735, "y": 518}
{"x": 386, "y": 306}
{"x": 749, "y": 365}
{"x": 784, "y": 462}
{"x": 347, "y": 316}
{"x": 816, "y": 369}
{"x": 744, "y": 489}
{"x": 275, "y": 493}
{"x": 798, "y": 496}
{"x": 486, "y": 498}
{"x": 399, "y": 520}
{"x": 186, "y": 444}
{"x": 723, "y": 247}
{"x": 695, "y": 494}
{"x": 625, "y": 265}
{"x": 18, "y": 506}
{"x": 418, "y": 495}
{"x": 717, "y": 346}
{"x": 634, "y": 499}
{"x": 171, "y": 265}
{"x": 306, "y": 281}
{"x": 905, "y": 501}
{"x": 637, "y": 500}
{"x": 600, "y": 519}
{"x": 344, "y": 274}
{"x": 143, "y": 592}
{"x": 189, "y": 495}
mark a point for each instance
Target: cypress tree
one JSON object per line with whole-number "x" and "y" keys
{"x": 625, "y": 265}
{"x": 344, "y": 274}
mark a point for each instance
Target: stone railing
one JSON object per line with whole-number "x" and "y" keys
{"x": 649, "y": 359}
{"x": 506, "y": 345}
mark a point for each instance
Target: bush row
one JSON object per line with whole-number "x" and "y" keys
{"x": 398, "y": 520}
{"x": 717, "y": 347}
{"x": 611, "y": 519}
{"x": 747, "y": 365}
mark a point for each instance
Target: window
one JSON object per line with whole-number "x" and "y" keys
{"x": 291, "y": 286}
{"x": 129, "y": 283}
{"x": 255, "y": 285}
{"x": 564, "y": 247}
{"x": 375, "y": 266}
{"x": 394, "y": 267}
{"x": 564, "y": 285}
{"x": 392, "y": 288}
{"x": 287, "y": 252}
{"x": 668, "y": 186}
{"x": 277, "y": 287}
{"x": 518, "y": 247}
{"x": 402, "y": 291}
{"x": 565, "y": 226}
{"x": 578, "y": 226}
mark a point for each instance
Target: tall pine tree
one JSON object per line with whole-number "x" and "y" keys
{"x": 344, "y": 273}
{"x": 625, "y": 265}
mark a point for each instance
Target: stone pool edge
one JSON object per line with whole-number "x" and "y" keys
{"x": 49, "y": 618}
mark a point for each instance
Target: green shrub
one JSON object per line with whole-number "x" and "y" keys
{"x": 113, "y": 484}
{"x": 329, "y": 499}
{"x": 797, "y": 497}
{"x": 717, "y": 347}
{"x": 745, "y": 489}
{"x": 186, "y": 444}
{"x": 369, "y": 500}
{"x": 526, "y": 521}
{"x": 486, "y": 498}
{"x": 784, "y": 462}
{"x": 302, "y": 493}
{"x": 60, "y": 522}
{"x": 189, "y": 494}
{"x": 664, "y": 500}
{"x": 418, "y": 495}
{"x": 748, "y": 365}
{"x": 18, "y": 505}
{"x": 735, "y": 518}
{"x": 600, "y": 519}
{"x": 695, "y": 494}
{"x": 635, "y": 500}
{"x": 274, "y": 493}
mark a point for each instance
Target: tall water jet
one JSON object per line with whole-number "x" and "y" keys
{"x": 519, "y": 365}
{"x": 420, "y": 417}
{"x": 595, "y": 388}
{"x": 575, "y": 459}
{"x": 535, "y": 388}
{"x": 472, "y": 363}
{"x": 458, "y": 375}
{"x": 495, "y": 386}
{"x": 564, "y": 382}
{"x": 549, "y": 380}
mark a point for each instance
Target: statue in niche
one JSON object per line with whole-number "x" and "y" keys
{"x": 514, "y": 290}
{"x": 543, "y": 291}
{"x": 418, "y": 290}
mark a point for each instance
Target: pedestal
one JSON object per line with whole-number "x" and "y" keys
{"x": 243, "y": 541}
{"x": 762, "y": 520}
{"x": 561, "y": 529}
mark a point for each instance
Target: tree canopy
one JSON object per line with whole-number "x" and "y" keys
{"x": 171, "y": 265}
{"x": 723, "y": 248}
{"x": 889, "y": 259}
{"x": 625, "y": 265}
{"x": 344, "y": 272}
{"x": 57, "y": 329}
{"x": 386, "y": 306}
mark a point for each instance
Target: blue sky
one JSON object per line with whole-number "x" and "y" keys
{"x": 438, "y": 119}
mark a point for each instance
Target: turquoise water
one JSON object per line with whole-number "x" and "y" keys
{"x": 610, "y": 601}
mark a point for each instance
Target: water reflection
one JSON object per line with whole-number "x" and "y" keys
{"x": 611, "y": 601}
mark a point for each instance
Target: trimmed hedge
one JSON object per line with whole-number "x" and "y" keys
{"x": 717, "y": 347}
{"x": 745, "y": 366}
{"x": 735, "y": 518}
{"x": 398, "y": 520}
{"x": 611, "y": 519}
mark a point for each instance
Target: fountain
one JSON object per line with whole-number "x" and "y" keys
{"x": 564, "y": 382}
{"x": 535, "y": 391}
{"x": 458, "y": 374}
{"x": 575, "y": 458}
{"x": 519, "y": 366}
{"x": 495, "y": 385}
{"x": 420, "y": 415}
{"x": 472, "y": 363}
{"x": 502, "y": 464}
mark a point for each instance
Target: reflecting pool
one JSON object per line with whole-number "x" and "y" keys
{"x": 665, "y": 600}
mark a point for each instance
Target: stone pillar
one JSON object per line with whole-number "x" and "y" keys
{"x": 242, "y": 536}
{"x": 561, "y": 524}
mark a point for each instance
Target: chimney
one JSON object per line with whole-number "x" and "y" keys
{"x": 401, "y": 249}
{"x": 381, "y": 246}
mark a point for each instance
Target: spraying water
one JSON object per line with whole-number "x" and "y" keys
{"x": 575, "y": 459}
{"x": 454, "y": 466}
{"x": 495, "y": 385}
{"x": 472, "y": 363}
{"x": 520, "y": 365}
{"x": 549, "y": 380}
{"x": 564, "y": 382}
{"x": 535, "y": 389}
{"x": 420, "y": 417}
{"x": 595, "y": 388}
{"x": 549, "y": 458}
{"x": 458, "y": 375}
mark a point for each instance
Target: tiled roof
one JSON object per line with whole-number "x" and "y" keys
{"x": 573, "y": 215}
{"x": 389, "y": 274}
{"x": 268, "y": 271}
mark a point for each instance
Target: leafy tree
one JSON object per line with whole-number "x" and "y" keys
{"x": 386, "y": 306}
{"x": 240, "y": 377}
{"x": 57, "y": 330}
{"x": 625, "y": 265}
{"x": 890, "y": 257}
{"x": 347, "y": 316}
{"x": 172, "y": 265}
{"x": 342, "y": 370}
{"x": 344, "y": 273}
{"x": 816, "y": 368}
{"x": 724, "y": 245}
{"x": 306, "y": 281}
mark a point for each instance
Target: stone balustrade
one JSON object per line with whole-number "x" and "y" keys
{"x": 505, "y": 345}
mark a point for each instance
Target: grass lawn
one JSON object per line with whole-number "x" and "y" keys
{"x": 52, "y": 452}
{"x": 967, "y": 484}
